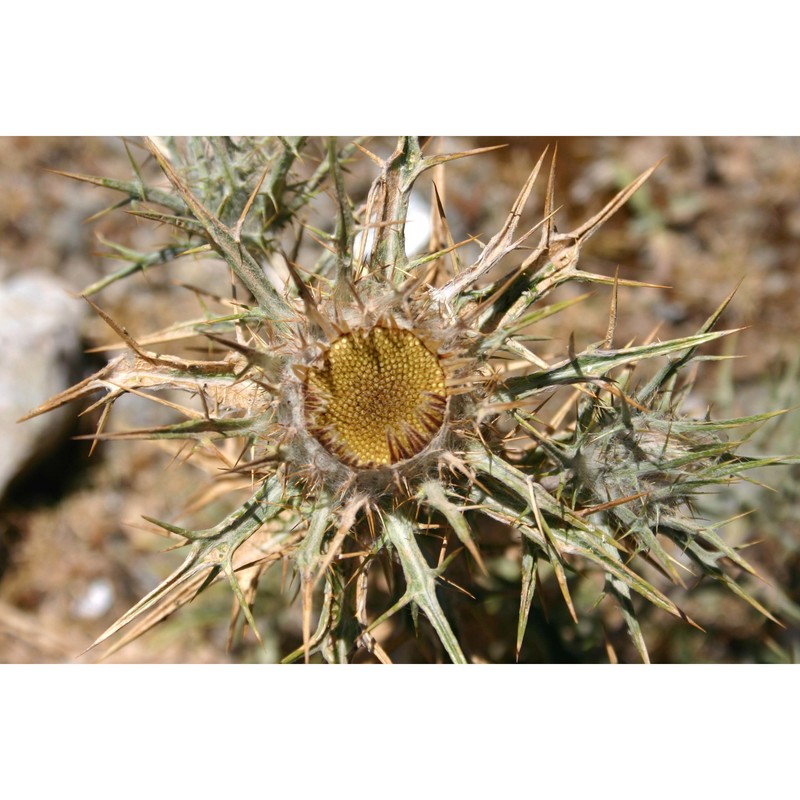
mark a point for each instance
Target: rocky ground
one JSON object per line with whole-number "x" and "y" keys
{"x": 74, "y": 552}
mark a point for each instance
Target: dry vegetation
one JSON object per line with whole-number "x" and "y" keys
{"x": 715, "y": 211}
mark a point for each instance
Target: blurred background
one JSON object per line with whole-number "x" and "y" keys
{"x": 74, "y": 551}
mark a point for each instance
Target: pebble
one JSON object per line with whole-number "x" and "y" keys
{"x": 95, "y": 601}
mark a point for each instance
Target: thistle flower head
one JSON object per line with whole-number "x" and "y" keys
{"x": 377, "y": 398}
{"x": 383, "y": 396}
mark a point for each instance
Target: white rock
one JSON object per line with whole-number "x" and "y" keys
{"x": 39, "y": 347}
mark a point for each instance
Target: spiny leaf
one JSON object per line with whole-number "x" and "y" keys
{"x": 209, "y": 553}
{"x": 434, "y": 496}
{"x": 622, "y": 594}
{"x": 401, "y": 532}
{"x": 589, "y": 365}
{"x": 708, "y": 562}
{"x": 527, "y": 589}
{"x": 660, "y": 379}
{"x": 237, "y": 256}
{"x": 576, "y": 536}
{"x": 134, "y": 189}
{"x": 190, "y": 429}
{"x": 496, "y": 248}
{"x": 140, "y": 262}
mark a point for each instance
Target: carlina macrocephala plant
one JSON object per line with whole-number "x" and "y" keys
{"x": 388, "y": 405}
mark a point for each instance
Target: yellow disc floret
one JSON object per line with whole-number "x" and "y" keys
{"x": 377, "y": 398}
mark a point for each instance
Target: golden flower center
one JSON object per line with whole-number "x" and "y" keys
{"x": 378, "y": 397}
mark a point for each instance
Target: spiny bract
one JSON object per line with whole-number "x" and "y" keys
{"x": 387, "y": 403}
